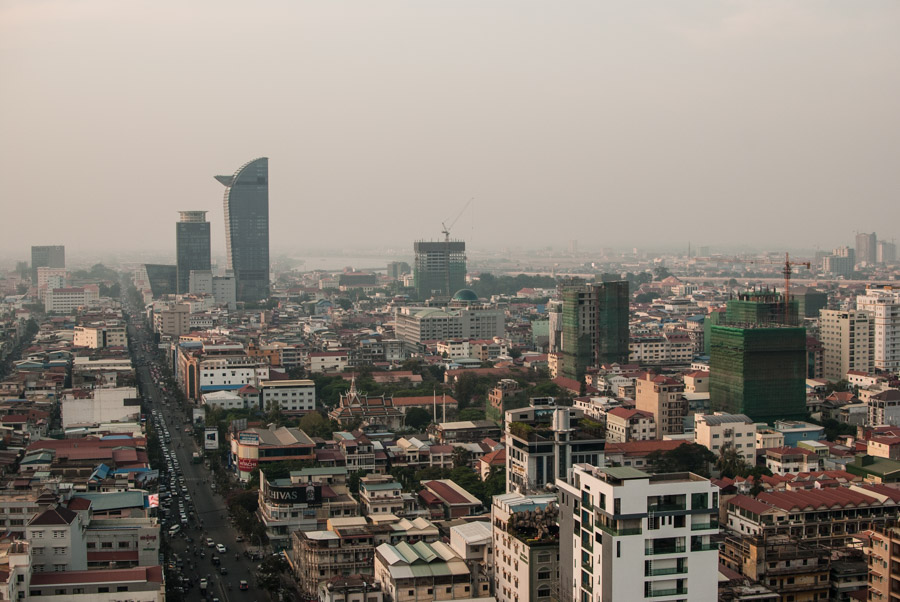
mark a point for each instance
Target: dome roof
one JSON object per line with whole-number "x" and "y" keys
{"x": 465, "y": 294}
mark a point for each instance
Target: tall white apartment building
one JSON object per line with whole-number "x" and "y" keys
{"x": 629, "y": 535}
{"x": 65, "y": 300}
{"x": 848, "y": 342}
{"x": 720, "y": 430}
{"x": 883, "y": 307}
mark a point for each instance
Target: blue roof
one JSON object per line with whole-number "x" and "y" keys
{"x": 109, "y": 437}
{"x": 206, "y": 388}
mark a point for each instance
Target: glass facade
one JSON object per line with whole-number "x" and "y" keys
{"x": 247, "y": 228}
{"x": 192, "y": 250}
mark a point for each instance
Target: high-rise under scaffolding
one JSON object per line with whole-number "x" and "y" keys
{"x": 595, "y": 326}
{"x": 759, "y": 371}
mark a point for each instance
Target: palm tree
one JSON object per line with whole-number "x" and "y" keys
{"x": 730, "y": 462}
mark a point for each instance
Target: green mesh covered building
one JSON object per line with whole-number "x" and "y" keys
{"x": 759, "y": 371}
{"x": 594, "y": 326}
{"x": 760, "y": 307}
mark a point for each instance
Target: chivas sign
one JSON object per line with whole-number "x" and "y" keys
{"x": 297, "y": 494}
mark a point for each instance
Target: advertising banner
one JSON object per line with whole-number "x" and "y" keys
{"x": 247, "y": 464}
{"x": 310, "y": 493}
{"x": 211, "y": 438}
{"x": 248, "y": 438}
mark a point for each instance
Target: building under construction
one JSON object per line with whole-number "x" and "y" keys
{"x": 440, "y": 268}
{"x": 761, "y": 307}
{"x": 594, "y": 326}
{"x": 758, "y": 370}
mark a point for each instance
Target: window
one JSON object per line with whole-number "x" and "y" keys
{"x": 102, "y": 590}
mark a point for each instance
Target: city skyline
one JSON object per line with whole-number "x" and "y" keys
{"x": 749, "y": 123}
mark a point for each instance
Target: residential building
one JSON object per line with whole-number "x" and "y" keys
{"x": 328, "y": 362}
{"x": 338, "y": 551}
{"x": 57, "y": 537}
{"x": 629, "y": 425}
{"x": 793, "y": 569}
{"x": 222, "y": 288}
{"x": 46, "y": 256}
{"x": 666, "y": 349}
{"x": 543, "y": 442}
{"x": 848, "y": 342}
{"x": 172, "y": 320}
{"x": 380, "y": 495}
{"x": 291, "y": 396}
{"x": 884, "y": 408}
{"x": 887, "y": 252}
{"x": 526, "y": 542}
{"x": 424, "y": 572}
{"x": 629, "y": 535}
{"x": 439, "y": 268}
{"x": 758, "y": 371}
{"x": 866, "y": 248}
{"x": 67, "y": 300}
{"x": 49, "y": 279}
{"x": 594, "y": 326}
{"x": 883, "y": 555}
{"x": 883, "y": 307}
{"x": 663, "y": 397}
{"x": 357, "y": 588}
{"x": 101, "y": 335}
{"x": 718, "y": 431}
{"x": 247, "y": 228}
{"x": 450, "y": 499}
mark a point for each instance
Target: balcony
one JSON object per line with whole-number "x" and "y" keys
{"x": 657, "y": 550}
{"x": 703, "y": 526}
{"x": 703, "y": 547}
{"x": 670, "y": 507}
{"x": 677, "y": 591}
{"x": 675, "y": 570}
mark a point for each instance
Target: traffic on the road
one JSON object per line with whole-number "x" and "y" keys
{"x": 205, "y": 558}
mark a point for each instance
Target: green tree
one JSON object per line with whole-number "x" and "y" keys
{"x": 471, "y": 414}
{"x": 315, "y": 424}
{"x": 687, "y": 457}
{"x": 418, "y": 418}
{"x": 461, "y": 457}
{"x": 730, "y": 463}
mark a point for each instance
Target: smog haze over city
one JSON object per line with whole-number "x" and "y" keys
{"x": 618, "y": 124}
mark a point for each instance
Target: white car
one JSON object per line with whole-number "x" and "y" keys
{"x": 210, "y": 543}
{"x": 220, "y": 548}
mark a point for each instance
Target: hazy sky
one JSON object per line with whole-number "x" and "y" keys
{"x": 614, "y": 122}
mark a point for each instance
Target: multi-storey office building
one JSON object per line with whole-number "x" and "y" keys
{"x": 629, "y": 535}
{"x": 439, "y": 268}
{"x": 247, "y": 228}
{"x": 192, "y": 247}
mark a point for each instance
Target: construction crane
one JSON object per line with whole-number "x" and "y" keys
{"x": 787, "y": 271}
{"x": 446, "y": 230}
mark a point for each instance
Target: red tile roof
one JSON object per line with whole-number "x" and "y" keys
{"x": 150, "y": 574}
{"x": 446, "y": 493}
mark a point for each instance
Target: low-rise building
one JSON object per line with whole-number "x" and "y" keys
{"x": 629, "y": 425}
{"x": 290, "y": 396}
{"x": 425, "y": 572}
{"x": 320, "y": 556}
{"x": 717, "y": 431}
{"x": 380, "y": 494}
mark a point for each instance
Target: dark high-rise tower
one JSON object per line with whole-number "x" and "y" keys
{"x": 247, "y": 228}
{"x": 48, "y": 256}
{"x": 191, "y": 247}
{"x": 440, "y": 268}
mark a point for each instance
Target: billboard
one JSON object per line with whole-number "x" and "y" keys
{"x": 247, "y": 464}
{"x": 248, "y": 438}
{"x": 211, "y": 438}
{"x": 309, "y": 493}
{"x": 199, "y": 415}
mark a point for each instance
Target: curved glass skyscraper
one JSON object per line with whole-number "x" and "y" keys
{"x": 247, "y": 228}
